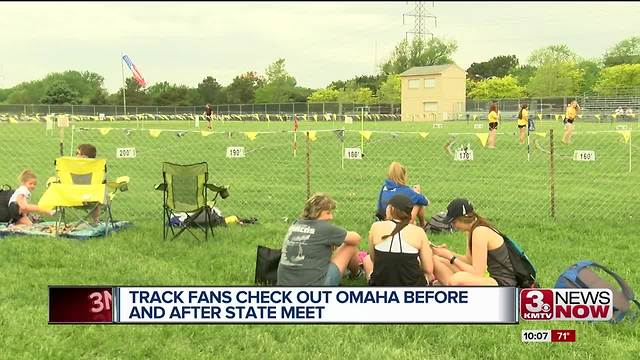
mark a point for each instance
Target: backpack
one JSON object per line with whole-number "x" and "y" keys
{"x": 531, "y": 125}
{"x": 523, "y": 269}
{"x": 180, "y": 219}
{"x": 5, "y": 194}
{"x": 267, "y": 262}
{"x": 437, "y": 224}
{"x": 582, "y": 276}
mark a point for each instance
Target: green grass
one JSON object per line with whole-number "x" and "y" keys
{"x": 595, "y": 220}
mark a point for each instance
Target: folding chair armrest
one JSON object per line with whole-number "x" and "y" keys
{"x": 121, "y": 183}
{"x": 222, "y": 190}
{"x": 161, "y": 187}
{"x": 53, "y": 179}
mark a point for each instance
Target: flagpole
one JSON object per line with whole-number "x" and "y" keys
{"x": 362, "y": 130}
{"x": 124, "y": 86}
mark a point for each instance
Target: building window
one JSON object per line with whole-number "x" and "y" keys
{"x": 431, "y": 106}
{"x": 414, "y": 84}
{"x": 429, "y": 83}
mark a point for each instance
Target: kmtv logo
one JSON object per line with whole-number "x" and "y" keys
{"x": 566, "y": 304}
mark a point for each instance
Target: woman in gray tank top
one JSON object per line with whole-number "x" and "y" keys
{"x": 486, "y": 253}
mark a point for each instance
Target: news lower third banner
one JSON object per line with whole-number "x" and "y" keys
{"x": 283, "y": 305}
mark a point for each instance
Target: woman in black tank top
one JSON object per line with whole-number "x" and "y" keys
{"x": 486, "y": 252}
{"x": 402, "y": 257}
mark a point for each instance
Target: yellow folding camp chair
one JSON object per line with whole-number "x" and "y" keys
{"x": 81, "y": 183}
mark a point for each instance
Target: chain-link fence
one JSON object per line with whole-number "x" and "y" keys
{"x": 271, "y": 173}
{"x": 221, "y": 109}
{"x": 601, "y": 108}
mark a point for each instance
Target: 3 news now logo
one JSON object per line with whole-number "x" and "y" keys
{"x": 566, "y": 304}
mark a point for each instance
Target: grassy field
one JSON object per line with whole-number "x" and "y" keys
{"x": 595, "y": 219}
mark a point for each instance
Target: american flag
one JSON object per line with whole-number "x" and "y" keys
{"x": 136, "y": 74}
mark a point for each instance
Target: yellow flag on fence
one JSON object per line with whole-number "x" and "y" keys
{"x": 626, "y": 134}
{"x": 206, "y": 133}
{"x": 312, "y": 135}
{"x": 304, "y": 117}
{"x": 155, "y": 132}
{"x": 104, "y": 131}
{"x": 475, "y": 117}
{"x": 366, "y": 134}
{"x": 268, "y": 120}
{"x": 327, "y": 117}
{"x": 579, "y": 116}
{"x": 315, "y": 117}
{"x": 251, "y": 135}
{"x": 614, "y": 116}
{"x": 13, "y": 120}
{"x": 335, "y": 117}
{"x": 483, "y": 138}
{"x": 424, "y": 134}
{"x": 597, "y": 116}
{"x": 540, "y": 117}
{"x": 541, "y": 133}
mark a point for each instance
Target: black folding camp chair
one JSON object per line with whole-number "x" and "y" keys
{"x": 185, "y": 190}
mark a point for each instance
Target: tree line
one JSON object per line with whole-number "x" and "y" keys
{"x": 554, "y": 70}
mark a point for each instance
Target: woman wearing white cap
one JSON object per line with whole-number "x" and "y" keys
{"x": 486, "y": 252}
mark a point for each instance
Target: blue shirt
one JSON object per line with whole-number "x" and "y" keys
{"x": 390, "y": 188}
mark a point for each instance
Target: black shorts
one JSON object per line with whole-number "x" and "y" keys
{"x": 521, "y": 126}
{"x": 14, "y": 212}
{"x": 493, "y": 125}
{"x": 570, "y": 121}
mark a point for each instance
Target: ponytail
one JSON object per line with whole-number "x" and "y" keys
{"x": 399, "y": 226}
{"x": 405, "y": 219}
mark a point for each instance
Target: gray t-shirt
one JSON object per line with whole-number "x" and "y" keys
{"x": 306, "y": 252}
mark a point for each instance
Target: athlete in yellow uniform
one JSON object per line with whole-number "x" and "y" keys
{"x": 493, "y": 126}
{"x": 523, "y": 118}
{"x": 570, "y": 116}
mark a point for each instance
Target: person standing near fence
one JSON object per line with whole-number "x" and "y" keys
{"x": 493, "y": 126}
{"x": 523, "y": 118}
{"x": 569, "y": 118}
{"x": 208, "y": 112}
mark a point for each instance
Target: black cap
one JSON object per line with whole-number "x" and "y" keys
{"x": 402, "y": 203}
{"x": 458, "y": 207}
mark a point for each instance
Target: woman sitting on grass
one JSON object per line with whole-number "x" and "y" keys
{"x": 399, "y": 252}
{"x": 486, "y": 251}
{"x": 396, "y": 183}
{"x": 307, "y": 258}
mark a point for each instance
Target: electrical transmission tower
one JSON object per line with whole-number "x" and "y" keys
{"x": 420, "y": 15}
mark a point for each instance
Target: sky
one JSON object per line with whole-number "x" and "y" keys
{"x": 321, "y": 41}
